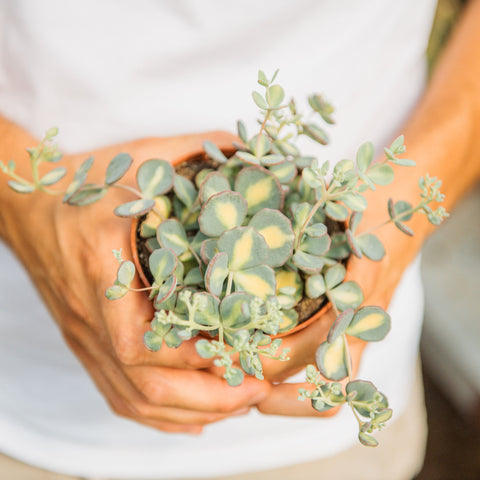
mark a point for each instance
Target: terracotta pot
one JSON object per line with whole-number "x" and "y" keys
{"x": 133, "y": 245}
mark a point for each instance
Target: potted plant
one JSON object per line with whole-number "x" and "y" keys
{"x": 241, "y": 247}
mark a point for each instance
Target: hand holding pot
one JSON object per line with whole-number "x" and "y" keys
{"x": 67, "y": 252}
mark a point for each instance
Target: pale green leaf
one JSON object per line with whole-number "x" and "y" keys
{"x": 117, "y": 168}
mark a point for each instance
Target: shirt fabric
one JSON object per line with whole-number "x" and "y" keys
{"x": 109, "y": 71}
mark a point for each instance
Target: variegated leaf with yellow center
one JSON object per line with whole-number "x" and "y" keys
{"x": 331, "y": 360}
{"x": 258, "y": 281}
{"x": 347, "y": 295}
{"x": 222, "y": 212}
{"x": 155, "y": 177}
{"x": 289, "y": 278}
{"x": 277, "y": 231}
{"x": 370, "y": 324}
{"x": 214, "y": 182}
{"x": 217, "y": 272}
{"x": 245, "y": 248}
{"x": 232, "y": 309}
{"x": 171, "y": 234}
{"x": 260, "y": 188}
{"x": 162, "y": 263}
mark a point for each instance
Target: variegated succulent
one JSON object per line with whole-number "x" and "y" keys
{"x": 243, "y": 247}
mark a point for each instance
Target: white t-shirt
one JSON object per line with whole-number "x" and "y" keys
{"x": 112, "y": 70}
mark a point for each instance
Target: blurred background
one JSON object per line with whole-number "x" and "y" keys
{"x": 451, "y": 337}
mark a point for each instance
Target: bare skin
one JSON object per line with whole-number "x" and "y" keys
{"x": 54, "y": 242}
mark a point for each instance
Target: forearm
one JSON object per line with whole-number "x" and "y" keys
{"x": 14, "y": 142}
{"x": 443, "y": 137}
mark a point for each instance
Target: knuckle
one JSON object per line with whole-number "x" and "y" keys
{"x": 228, "y": 404}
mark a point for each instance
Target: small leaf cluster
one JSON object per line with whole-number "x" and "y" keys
{"x": 369, "y": 406}
{"x": 236, "y": 249}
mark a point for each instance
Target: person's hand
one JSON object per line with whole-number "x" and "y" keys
{"x": 378, "y": 281}
{"x": 68, "y": 253}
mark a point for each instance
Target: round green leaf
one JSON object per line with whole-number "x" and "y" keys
{"x": 162, "y": 263}
{"x": 205, "y": 349}
{"x": 352, "y": 243}
{"x": 316, "y": 245}
{"x": 336, "y": 211}
{"x": 354, "y": 201}
{"x": 117, "y": 168}
{"x": 214, "y": 152}
{"x": 115, "y": 292}
{"x": 184, "y": 190}
{"x": 258, "y": 281}
{"x": 214, "y": 182}
{"x": 20, "y": 187}
{"x": 400, "y": 207}
{"x": 232, "y": 313}
{"x": 285, "y": 171}
{"x": 208, "y": 249}
{"x": 171, "y": 234}
{"x": 315, "y": 286}
{"x": 155, "y": 177}
{"x": 286, "y": 278}
{"x": 126, "y": 273}
{"x": 275, "y": 95}
{"x": 53, "y": 176}
{"x": 78, "y": 179}
{"x": 217, "y": 272}
{"x": 245, "y": 248}
{"x": 259, "y": 100}
{"x": 315, "y": 133}
{"x": 370, "y": 324}
{"x": 335, "y": 275}
{"x": 347, "y": 295}
{"x": 340, "y": 325}
{"x": 331, "y": 360}
{"x": 367, "y": 440}
{"x": 277, "y": 231}
{"x": 371, "y": 246}
{"x": 307, "y": 263}
{"x": 165, "y": 291}
{"x": 152, "y": 341}
{"x": 87, "y": 195}
{"x": 382, "y": 175}
{"x": 135, "y": 208}
{"x": 260, "y": 188}
{"x": 365, "y": 156}
{"x": 222, "y": 212}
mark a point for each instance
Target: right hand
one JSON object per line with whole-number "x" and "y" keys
{"x": 67, "y": 251}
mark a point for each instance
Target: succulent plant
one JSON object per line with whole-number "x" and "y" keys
{"x": 247, "y": 246}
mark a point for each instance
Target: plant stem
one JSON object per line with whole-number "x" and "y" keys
{"x": 310, "y": 216}
{"x": 229, "y": 283}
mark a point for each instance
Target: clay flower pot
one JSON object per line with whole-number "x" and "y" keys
{"x": 192, "y": 157}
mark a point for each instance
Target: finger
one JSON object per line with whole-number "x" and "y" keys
{"x": 118, "y": 404}
{"x": 302, "y": 345}
{"x": 196, "y": 389}
{"x": 127, "y": 321}
{"x": 283, "y": 400}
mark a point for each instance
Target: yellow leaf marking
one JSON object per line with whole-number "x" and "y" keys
{"x": 274, "y": 237}
{"x": 228, "y": 214}
{"x": 334, "y": 357}
{"x": 368, "y": 322}
{"x": 242, "y": 251}
{"x": 258, "y": 192}
{"x": 253, "y": 284}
